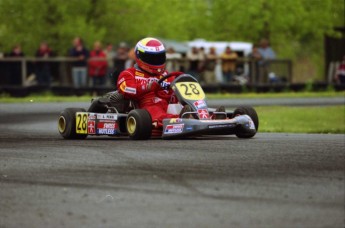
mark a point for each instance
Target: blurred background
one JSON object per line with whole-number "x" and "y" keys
{"x": 229, "y": 45}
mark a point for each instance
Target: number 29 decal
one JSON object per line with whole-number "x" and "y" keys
{"x": 190, "y": 90}
{"x": 81, "y": 123}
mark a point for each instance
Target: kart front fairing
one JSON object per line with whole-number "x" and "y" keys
{"x": 202, "y": 122}
{"x": 175, "y": 128}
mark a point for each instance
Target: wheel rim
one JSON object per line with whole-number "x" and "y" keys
{"x": 131, "y": 125}
{"x": 62, "y": 124}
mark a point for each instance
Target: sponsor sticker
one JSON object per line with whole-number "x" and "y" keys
{"x": 106, "y": 131}
{"x": 203, "y": 113}
{"x": 107, "y": 116}
{"x": 201, "y": 104}
{"x": 175, "y": 120}
{"x": 106, "y": 125}
{"x": 91, "y": 127}
{"x": 92, "y": 116}
{"x": 120, "y": 81}
{"x": 140, "y": 74}
{"x": 189, "y": 128}
{"x": 130, "y": 90}
{"x": 221, "y": 126}
{"x": 174, "y": 129}
{"x": 251, "y": 125}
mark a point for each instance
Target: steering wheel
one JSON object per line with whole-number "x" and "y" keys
{"x": 165, "y": 77}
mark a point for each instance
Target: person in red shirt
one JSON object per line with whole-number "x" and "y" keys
{"x": 140, "y": 83}
{"x": 97, "y": 65}
{"x": 42, "y": 68}
{"x": 340, "y": 73}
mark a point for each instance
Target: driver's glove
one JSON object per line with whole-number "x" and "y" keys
{"x": 153, "y": 86}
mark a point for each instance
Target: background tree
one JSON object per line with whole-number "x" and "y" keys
{"x": 296, "y": 28}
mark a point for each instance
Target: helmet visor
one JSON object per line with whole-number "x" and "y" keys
{"x": 151, "y": 58}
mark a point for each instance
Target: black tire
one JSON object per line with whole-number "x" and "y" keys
{"x": 67, "y": 124}
{"x": 139, "y": 124}
{"x": 250, "y": 111}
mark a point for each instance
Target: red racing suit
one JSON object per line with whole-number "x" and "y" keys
{"x": 133, "y": 83}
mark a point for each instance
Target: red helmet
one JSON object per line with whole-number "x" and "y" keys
{"x": 150, "y": 55}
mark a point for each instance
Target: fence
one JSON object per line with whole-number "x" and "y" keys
{"x": 21, "y": 71}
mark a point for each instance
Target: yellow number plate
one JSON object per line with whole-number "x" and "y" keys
{"x": 81, "y": 123}
{"x": 190, "y": 90}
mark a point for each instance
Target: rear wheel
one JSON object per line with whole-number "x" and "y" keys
{"x": 250, "y": 111}
{"x": 67, "y": 124}
{"x": 139, "y": 124}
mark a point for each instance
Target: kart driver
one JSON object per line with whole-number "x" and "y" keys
{"x": 140, "y": 83}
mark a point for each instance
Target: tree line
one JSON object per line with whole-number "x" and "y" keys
{"x": 296, "y": 28}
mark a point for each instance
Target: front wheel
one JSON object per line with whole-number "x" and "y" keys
{"x": 67, "y": 124}
{"x": 139, "y": 124}
{"x": 247, "y": 110}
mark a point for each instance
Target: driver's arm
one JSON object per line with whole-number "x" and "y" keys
{"x": 131, "y": 88}
{"x": 127, "y": 85}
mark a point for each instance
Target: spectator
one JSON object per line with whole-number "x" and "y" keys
{"x": 255, "y": 57}
{"x": 97, "y": 65}
{"x": 173, "y": 59}
{"x": 110, "y": 55}
{"x": 210, "y": 66}
{"x": 15, "y": 68}
{"x": 131, "y": 59}
{"x": 340, "y": 73}
{"x": 42, "y": 69}
{"x": 229, "y": 59}
{"x": 3, "y": 70}
{"x": 79, "y": 67}
{"x": 120, "y": 60}
{"x": 202, "y": 61}
{"x": 193, "y": 58}
{"x": 265, "y": 50}
{"x": 267, "y": 54}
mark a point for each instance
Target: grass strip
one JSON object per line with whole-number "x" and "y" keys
{"x": 323, "y": 119}
{"x": 49, "y": 97}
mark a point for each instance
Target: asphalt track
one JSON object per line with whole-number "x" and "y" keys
{"x": 272, "y": 180}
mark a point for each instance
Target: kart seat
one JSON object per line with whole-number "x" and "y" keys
{"x": 111, "y": 99}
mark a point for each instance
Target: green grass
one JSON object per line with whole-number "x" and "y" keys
{"x": 276, "y": 95}
{"x": 324, "y": 119}
{"x": 46, "y": 97}
{"x": 49, "y": 97}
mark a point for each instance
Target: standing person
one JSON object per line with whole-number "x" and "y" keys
{"x": 340, "y": 73}
{"x": 120, "y": 60}
{"x": 79, "y": 67}
{"x": 97, "y": 65}
{"x": 110, "y": 55}
{"x": 42, "y": 69}
{"x": 254, "y": 57}
{"x": 15, "y": 68}
{"x": 267, "y": 53}
{"x": 131, "y": 58}
{"x": 173, "y": 59}
{"x": 3, "y": 70}
{"x": 229, "y": 59}
{"x": 210, "y": 66}
{"x": 193, "y": 58}
{"x": 202, "y": 62}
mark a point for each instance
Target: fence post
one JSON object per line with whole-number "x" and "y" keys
{"x": 23, "y": 62}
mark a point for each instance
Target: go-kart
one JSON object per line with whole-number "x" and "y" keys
{"x": 113, "y": 115}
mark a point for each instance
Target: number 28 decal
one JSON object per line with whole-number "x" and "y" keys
{"x": 81, "y": 123}
{"x": 190, "y": 90}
